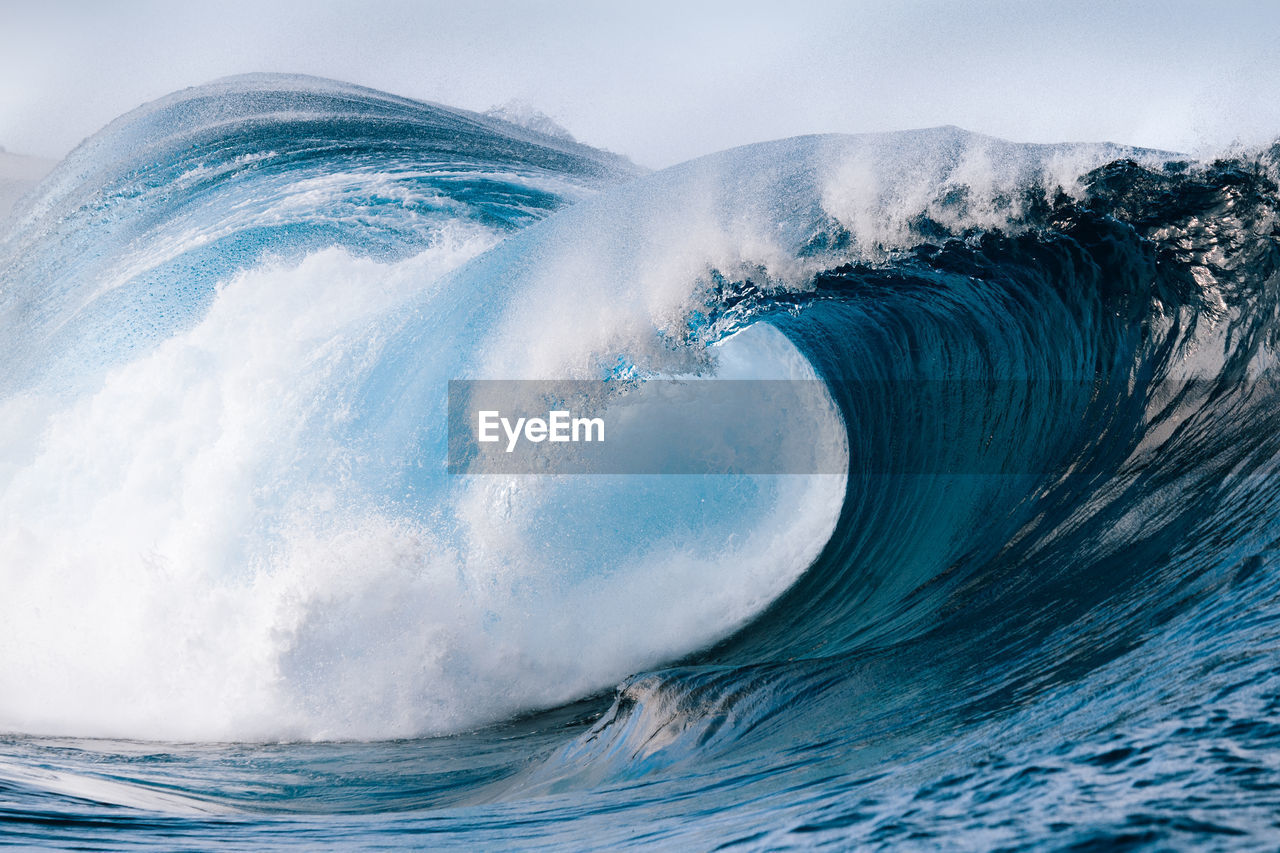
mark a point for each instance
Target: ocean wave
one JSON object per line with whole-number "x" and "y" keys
{"x": 232, "y": 316}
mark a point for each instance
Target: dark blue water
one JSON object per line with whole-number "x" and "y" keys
{"x": 246, "y": 606}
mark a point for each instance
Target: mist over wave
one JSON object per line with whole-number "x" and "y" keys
{"x": 230, "y": 319}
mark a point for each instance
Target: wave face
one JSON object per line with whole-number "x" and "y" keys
{"x": 243, "y": 593}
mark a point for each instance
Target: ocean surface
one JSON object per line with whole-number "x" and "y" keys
{"x": 246, "y": 606}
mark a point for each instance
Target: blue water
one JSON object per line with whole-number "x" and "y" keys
{"x": 246, "y": 605}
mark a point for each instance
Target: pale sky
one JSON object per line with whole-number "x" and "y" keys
{"x": 662, "y": 82}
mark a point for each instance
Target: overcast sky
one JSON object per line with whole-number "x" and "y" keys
{"x": 662, "y": 82}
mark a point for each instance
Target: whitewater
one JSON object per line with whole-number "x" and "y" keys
{"x": 1029, "y": 598}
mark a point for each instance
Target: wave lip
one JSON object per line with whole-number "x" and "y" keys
{"x": 128, "y": 238}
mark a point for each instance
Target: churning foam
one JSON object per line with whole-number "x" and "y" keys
{"x": 189, "y": 552}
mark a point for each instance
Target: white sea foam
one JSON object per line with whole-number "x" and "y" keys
{"x": 190, "y": 552}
